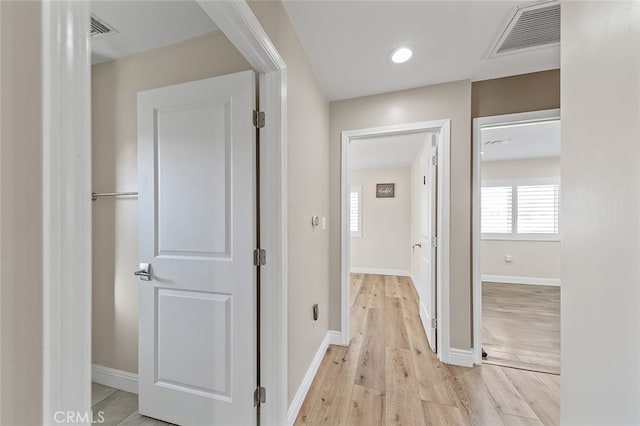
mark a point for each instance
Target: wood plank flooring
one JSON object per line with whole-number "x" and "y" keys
{"x": 389, "y": 376}
{"x": 117, "y": 407}
{"x": 521, "y": 326}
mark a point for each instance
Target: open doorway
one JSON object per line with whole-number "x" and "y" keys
{"x": 517, "y": 240}
{"x": 395, "y": 227}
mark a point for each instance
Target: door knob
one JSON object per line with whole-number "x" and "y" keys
{"x": 413, "y": 247}
{"x": 145, "y": 272}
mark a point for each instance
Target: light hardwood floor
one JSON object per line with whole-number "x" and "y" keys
{"x": 521, "y": 326}
{"x": 388, "y": 374}
{"x": 118, "y": 408}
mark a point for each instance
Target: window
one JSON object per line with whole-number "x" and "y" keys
{"x": 538, "y": 209}
{"x": 356, "y": 211}
{"x": 497, "y": 203}
{"x": 527, "y": 209}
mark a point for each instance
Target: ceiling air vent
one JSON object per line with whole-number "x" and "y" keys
{"x": 530, "y": 27}
{"x": 99, "y": 28}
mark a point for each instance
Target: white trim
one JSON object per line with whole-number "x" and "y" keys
{"x": 117, "y": 379}
{"x": 478, "y": 125}
{"x": 508, "y": 279}
{"x": 380, "y": 271}
{"x": 67, "y": 179}
{"x": 66, "y": 208}
{"x": 461, "y": 357}
{"x": 335, "y": 338}
{"x": 303, "y": 389}
{"x": 443, "y": 129}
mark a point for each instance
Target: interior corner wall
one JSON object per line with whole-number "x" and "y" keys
{"x": 307, "y": 191}
{"x": 530, "y": 259}
{"x": 442, "y": 101}
{"x": 21, "y": 209}
{"x": 520, "y": 93}
{"x": 386, "y": 222}
{"x": 115, "y": 85}
{"x": 600, "y": 213}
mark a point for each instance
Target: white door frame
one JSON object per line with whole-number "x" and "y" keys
{"x": 443, "y": 129}
{"x": 66, "y": 167}
{"x": 478, "y": 125}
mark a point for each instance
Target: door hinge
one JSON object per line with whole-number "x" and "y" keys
{"x": 424, "y": 180}
{"x": 434, "y": 242}
{"x": 434, "y": 323}
{"x": 258, "y": 119}
{"x": 259, "y": 396}
{"x": 434, "y": 160}
{"x": 259, "y": 257}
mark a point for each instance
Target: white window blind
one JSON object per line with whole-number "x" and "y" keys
{"x": 538, "y": 209}
{"x": 497, "y": 210}
{"x": 356, "y": 212}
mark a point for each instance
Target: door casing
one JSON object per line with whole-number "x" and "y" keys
{"x": 443, "y": 129}
{"x": 66, "y": 173}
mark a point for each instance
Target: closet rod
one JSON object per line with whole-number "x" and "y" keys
{"x": 94, "y": 195}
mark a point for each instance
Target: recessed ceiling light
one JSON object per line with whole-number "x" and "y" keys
{"x": 401, "y": 54}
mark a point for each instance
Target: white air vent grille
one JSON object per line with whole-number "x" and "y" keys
{"x": 99, "y": 28}
{"x": 530, "y": 27}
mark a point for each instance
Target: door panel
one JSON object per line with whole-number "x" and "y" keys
{"x": 200, "y": 225}
{"x": 197, "y": 321}
{"x": 428, "y": 199}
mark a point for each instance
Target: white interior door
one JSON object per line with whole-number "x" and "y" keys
{"x": 428, "y": 251}
{"x": 197, "y": 321}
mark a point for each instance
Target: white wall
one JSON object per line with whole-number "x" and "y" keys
{"x": 600, "y": 213}
{"x": 386, "y": 222}
{"x": 537, "y": 259}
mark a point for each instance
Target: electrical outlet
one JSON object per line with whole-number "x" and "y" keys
{"x": 315, "y": 312}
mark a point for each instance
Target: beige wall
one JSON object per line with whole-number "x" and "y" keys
{"x": 115, "y": 85}
{"x": 519, "y": 93}
{"x": 443, "y": 101}
{"x": 385, "y": 221}
{"x": 21, "y": 213}
{"x": 600, "y": 213}
{"x": 308, "y": 192}
{"x": 540, "y": 259}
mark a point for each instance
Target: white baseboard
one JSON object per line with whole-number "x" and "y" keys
{"x": 508, "y": 279}
{"x": 301, "y": 393}
{"x": 461, "y": 357}
{"x": 113, "y": 378}
{"x": 335, "y": 338}
{"x": 380, "y": 271}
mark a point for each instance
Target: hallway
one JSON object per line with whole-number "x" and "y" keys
{"x": 388, "y": 374}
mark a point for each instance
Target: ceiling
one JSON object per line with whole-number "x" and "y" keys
{"x": 145, "y": 25}
{"x": 386, "y": 152}
{"x": 348, "y": 43}
{"x": 523, "y": 141}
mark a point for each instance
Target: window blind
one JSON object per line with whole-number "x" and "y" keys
{"x": 538, "y": 209}
{"x": 496, "y": 210}
{"x": 356, "y": 212}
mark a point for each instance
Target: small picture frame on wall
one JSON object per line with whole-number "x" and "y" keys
{"x": 385, "y": 190}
